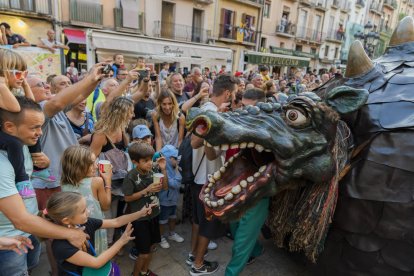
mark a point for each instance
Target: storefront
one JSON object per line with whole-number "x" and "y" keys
{"x": 76, "y": 40}
{"x": 104, "y": 44}
{"x": 281, "y": 63}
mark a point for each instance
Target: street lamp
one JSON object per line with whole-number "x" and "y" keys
{"x": 369, "y": 38}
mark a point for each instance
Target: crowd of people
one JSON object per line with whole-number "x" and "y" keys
{"x": 55, "y": 187}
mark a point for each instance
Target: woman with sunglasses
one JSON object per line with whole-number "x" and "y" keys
{"x": 13, "y": 78}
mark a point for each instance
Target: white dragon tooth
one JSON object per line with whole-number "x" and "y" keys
{"x": 206, "y": 196}
{"x": 250, "y": 179}
{"x": 213, "y": 204}
{"x": 243, "y": 145}
{"x": 207, "y": 144}
{"x": 208, "y": 203}
{"x": 234, "y": 146}
{"x": 256, "y": 174}
{"x": 206, "y": 199}
{"x": 210, "y": 185}
{"x": 250, "y": 145}
{"x": 226, "y": 164}
{"x": 206, "y": 190}
{"x": 229, "y": 196}
{"x": 220, "y": 202}
{"x": 217, "y": 175}
{"x": 211, "y": 179}
{"x": 259, "y": 148}
{"x": 267, "y": 175}
{"x": 262, "y": 169}
{"x": 224, "y": 147}
{"x": 243, "y": 183}
{"x": 231, "y": 159}
{"x": 268, "y": 150}
{"x": 236, "y": 189}
{"x": 216, "y": 147}
{"x": 222, "y": 169}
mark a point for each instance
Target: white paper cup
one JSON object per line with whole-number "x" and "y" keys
{"x": 157, "y": 177}
{"x": 104, "y": 166}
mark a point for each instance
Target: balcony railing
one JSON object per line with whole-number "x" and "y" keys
{"x": 43, "y": 7}
{"x": 345, "y": 7}
{"x": 311, "y": 35}
{"x": 119, "y": 18}
{"x": 319, "y": 4}
{"x": 335, "y": 4}
{"x": 335, "y": 36}
{"x": 181, "y": 32}
{"x": 360, "y": 3}
{"x": 392, "y": 4}
{"x": 85, "y": 13}
{"x": 287, "y": 30}
{"x": 375, "y": 8}
{"x": 237, "y": 33}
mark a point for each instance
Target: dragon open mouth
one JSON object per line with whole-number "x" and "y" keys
{"x": 241, "y": 180}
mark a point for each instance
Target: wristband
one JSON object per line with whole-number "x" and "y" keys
{"x": 108, "y": 187}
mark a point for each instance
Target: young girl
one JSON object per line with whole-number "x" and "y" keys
{"x": 168, "y": 122}
{"x": 79, "y": 175}
{"x": 13, "y": 78}
{"x": 70, "y": 209}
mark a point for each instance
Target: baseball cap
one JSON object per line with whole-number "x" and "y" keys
{"x": 140, "y": 131}
{"x": 169, "y": 151}
{"x": 238, "y": 74}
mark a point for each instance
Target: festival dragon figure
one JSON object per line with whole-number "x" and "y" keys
{"x": 303, "y": 152}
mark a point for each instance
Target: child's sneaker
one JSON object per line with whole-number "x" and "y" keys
{"x": 164, "y": 243}
{"x": 175, "y": 237}
{"x": 212, "y": 245}
{"x": 25, "y": 189}
{"x": 44, "y": 175}
{"x": 148, "y": 273}
{"x": 205, "y": 269}
{"x": 133, "y": 253}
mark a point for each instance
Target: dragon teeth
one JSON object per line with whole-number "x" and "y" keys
{"x": 234, "y": 146}
{"x": 250, "y": 179}
{"x": 220, "y": 202}
{"x": 208, "y": 203}
{"x": 207, "y": 190}
{"x": 213, "y": 204}
{"x": 222, "y": 169}
{"x": 256, "y": 174}
{"x": 259, "y": 148}
{"x": 211, "y": 179}
{"x": 236, "y": 189}
{"x": 231, "y": 159}
{"x": 207, "y": 144}
{"x": 243, "y": 145}
{"x": 262, "y": 169}
{"x": 243, "y": 183}
{"x": 224, "y": 147}
{"x": 226, "y": 164}
{"x": 217, "y": 175}
{"x": 206, "y": 199}
{"x": 210, "y": 185}
{"x": 229, "y": 196}
{"x": 250, "y": 145}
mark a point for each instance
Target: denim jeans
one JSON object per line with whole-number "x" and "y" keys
{"x": 13, "y": 264}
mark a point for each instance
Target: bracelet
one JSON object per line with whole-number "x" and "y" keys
{"x": 108, "y": 187}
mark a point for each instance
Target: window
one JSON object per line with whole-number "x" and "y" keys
{"x": 313, "y": 51}
{"x": 336, "y": 52}
{"x": 298, "y": 48}
{"x": 282, "y": 45}
{"x": 227, "y": 29}
{"x": 263, "y": 44}
{"x": 266, "y": 10}
{"x": 326, "y": 51}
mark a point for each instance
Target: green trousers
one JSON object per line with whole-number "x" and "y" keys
{"x": 245, "y": 233}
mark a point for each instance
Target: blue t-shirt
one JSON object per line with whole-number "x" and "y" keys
{"x": 8, "y": 188}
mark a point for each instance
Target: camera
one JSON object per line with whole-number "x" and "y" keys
{"x": 153, "y": 77}
{"x": 107, "y": 69}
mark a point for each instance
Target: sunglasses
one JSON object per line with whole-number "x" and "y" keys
{"x": 41, "y": 84}
{"x": 18, "y": 74}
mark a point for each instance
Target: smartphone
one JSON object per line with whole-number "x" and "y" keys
{"x": 107, "y": 69}
{"x": 153, "y": 77}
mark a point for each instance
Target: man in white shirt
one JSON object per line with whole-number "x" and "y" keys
{"x": 50, "y": 43}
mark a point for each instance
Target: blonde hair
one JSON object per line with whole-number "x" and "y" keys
{"x": 10, "y": 60}
{"x": 115, "y": 116}
{"x": 170, "y": 77}
{"x": 76, "y": 162}
{"x": 175, "y": 109}
{"x": 62, "y": 205}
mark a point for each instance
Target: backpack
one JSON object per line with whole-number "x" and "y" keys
{"x": 186, "y": 163}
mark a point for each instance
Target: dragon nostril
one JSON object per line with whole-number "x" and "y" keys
{"x": 201, "y": 126}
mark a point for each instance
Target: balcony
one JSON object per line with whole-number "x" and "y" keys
{"x": 410, "y": 3}
{"x": 375, "y": 8}
{"x": 320, "y": 5}
{"x": 345, "y": 7}
{"x": 119, "y": 25}
{"x": 206, "y": 2}
{"x": 237, "y": 34}
{"x": 335, "y": 4}
{"x": 335, "y": 36}
{"x": 286, "y": 30}
{"x": 305, "y": 3}
{"x": 359, "y": 4}
{"x": 309, "y": 35}
{"x": 86, "y": 14}
{"x": 253, "y": 3}
{"x": 34, "y": 7}
{"x": 181, "y": 32}
{"x": 390, "y": 4}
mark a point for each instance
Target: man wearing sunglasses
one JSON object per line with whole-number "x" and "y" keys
{"x": 12, "y": 39}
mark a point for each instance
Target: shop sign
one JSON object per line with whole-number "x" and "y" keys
{"x": 173, "y": 51}
{"x": 276, "y": 61}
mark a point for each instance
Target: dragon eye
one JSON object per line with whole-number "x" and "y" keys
{"x": 295, "y": 117}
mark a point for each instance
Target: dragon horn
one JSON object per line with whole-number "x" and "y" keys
{"x": 358, "y": 61}
{"x": 404, "y": 32}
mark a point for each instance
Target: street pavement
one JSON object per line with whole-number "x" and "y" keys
{"x": 171, "y": 262}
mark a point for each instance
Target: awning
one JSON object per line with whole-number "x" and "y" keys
{"x": 75, "y": 36}
{"x": 276, "y": 59}
{"x": 158, "y": 49}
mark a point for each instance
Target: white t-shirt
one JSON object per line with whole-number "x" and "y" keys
{"x": 48, "y": 43}
{"x": 207, "y": 166}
